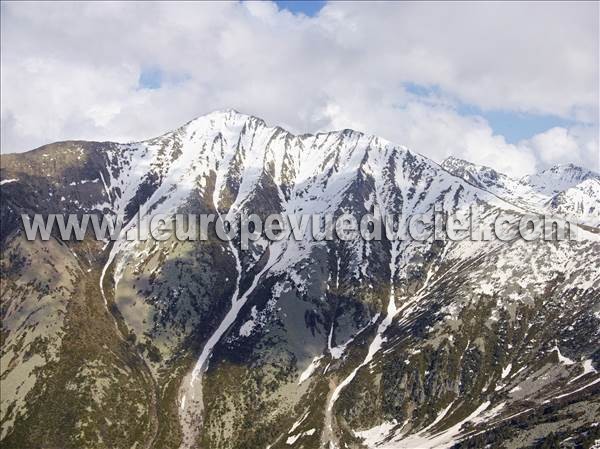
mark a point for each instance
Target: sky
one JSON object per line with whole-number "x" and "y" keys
{"x": 512, "y": 85}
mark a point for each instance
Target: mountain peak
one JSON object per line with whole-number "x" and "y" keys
{"x": 569, "y": 169}
{"x": 559, "y": 177}
{"x": 479, "y": 175}
{"x": 228, "y": 116}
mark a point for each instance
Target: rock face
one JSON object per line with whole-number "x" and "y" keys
{"x": 305, "y": 344}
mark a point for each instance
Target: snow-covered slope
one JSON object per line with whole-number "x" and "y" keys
{"x": 559, "y": 178}
{"x": 332, "y": 344}
{"x": 565, "y": 190}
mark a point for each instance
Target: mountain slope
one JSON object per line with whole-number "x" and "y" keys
{"x": 565, "y": 190}
{"x": 291, "y": 343}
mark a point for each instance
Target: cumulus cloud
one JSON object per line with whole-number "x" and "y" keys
{"x": 560, "y": 145}
{"x": 73, "y": 70}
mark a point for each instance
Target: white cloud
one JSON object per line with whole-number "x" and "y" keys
{"x": 560, "y": 145}
{"x": 71, "y": 70}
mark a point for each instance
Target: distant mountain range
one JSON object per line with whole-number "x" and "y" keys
{"x": 293, "y": 344}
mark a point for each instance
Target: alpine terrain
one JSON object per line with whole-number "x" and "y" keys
{"x": 293, "y": 344}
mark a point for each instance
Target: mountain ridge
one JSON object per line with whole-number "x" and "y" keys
{"x": 288, "y": 344}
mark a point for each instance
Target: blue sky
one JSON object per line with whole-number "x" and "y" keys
{"x": 513, "y": 125}
{"x": 150, "y": 78}
{"x": 309, "y": 8}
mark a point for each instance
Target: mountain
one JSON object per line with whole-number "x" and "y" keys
{"x": 565, "y": 190}
{"x": 292, "y": 344}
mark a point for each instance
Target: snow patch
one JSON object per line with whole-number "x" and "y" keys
{"x": 310, "y": 369}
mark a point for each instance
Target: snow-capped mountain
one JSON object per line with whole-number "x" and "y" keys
{"x": 559, "y": 178}
{"x": 565, "y": 190}
{"x": 332, "y": 344}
